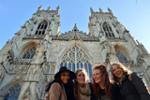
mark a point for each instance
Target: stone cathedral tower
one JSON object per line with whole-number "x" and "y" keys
{"x": 30, "y": 59}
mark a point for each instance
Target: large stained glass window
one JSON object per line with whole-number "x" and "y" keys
{"x": 76, "y": 59}
{"x": 122, "y": 58}
{"x": 41, "y": 28}
{"x": 28, "y": 54}
{"x": 108, "y": 30}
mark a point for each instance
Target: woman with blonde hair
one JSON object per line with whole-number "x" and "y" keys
{"x": 127, "y": 86}
{"x": 82, "y": 88}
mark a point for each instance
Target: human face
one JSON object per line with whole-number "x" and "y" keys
{"x": 65, "y": 76}
{"x": 81, "y": 78}
{"x": 117, "y": 71}
{"x": 97, "y": 76}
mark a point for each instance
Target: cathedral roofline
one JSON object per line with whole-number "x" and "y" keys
{"x": 75, "y": 34}
{"x": 101, "y": 11}
{"x": 40, "y": 9}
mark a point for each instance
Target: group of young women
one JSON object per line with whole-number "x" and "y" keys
{"x": 68, "y": 85}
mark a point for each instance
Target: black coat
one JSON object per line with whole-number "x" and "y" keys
{"x": 101, "y": 96}
{"x": 130, "y": 89}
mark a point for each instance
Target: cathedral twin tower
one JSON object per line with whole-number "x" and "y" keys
{"x": 30, "y": 59}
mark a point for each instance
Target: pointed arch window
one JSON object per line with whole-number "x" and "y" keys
{"x": 108, "y": 30}
{"x": 29, "y": 53}
{"x": 122, "y": 58}
{"x": 13, "y": 93}
{"x": 41, "y": 28}
{"x": 75, "y": 59}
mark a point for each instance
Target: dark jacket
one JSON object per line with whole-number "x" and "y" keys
{"x": 101, "y": 96}
{"x": 130, "y": 89}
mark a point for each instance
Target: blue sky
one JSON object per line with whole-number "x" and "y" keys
{"x": 133, "y": 14}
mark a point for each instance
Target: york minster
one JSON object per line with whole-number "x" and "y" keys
{"x": 37, "y": 50}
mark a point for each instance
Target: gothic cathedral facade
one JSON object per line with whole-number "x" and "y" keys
{"x": 31, "y": 58}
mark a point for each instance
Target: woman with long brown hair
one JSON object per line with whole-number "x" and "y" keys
{"x": 128, "y": 86}
{"x": 101, "y": 83}
{"x": 61, "y": 88}
{"x": 82, "y": 88}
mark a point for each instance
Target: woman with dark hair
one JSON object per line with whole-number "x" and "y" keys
{"x": 82, "y": 87}
{"x": 101, "y": 83}
{"x": 62, "y": 86}
{"x": 127, "y": 86}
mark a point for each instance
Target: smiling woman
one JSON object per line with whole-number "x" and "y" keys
{"x": 101, "y": 83}
{"x": 126, "y": 83}
{"x": 82, "y": 89}
{"x": 62, "y": 86}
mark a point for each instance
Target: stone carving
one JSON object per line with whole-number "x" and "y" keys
{"x": 110, "y": 11}
{"x": 91, "y": 9}
{"x": 140, "y": 60}
{"x": 2, "y": 73}
{"x": 49, "y": 8}
{"x": 39, "y": 8}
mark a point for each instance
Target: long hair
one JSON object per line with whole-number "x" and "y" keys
{"x": 105, "y": 80}
{"x": 58, "y": 80}
{"x": 76, "y": 85}
{"x": 48, "y": 86}
{"x": 126, "y": 71}
{"x": 68, "y": 88}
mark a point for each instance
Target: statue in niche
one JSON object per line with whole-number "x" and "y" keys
{"x": 107, "y": 46}
{"x": 140, "y": 60}
{"x": 109, "y": 52}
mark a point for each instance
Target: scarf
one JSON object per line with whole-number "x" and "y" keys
{"x": 84, "y": 92}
